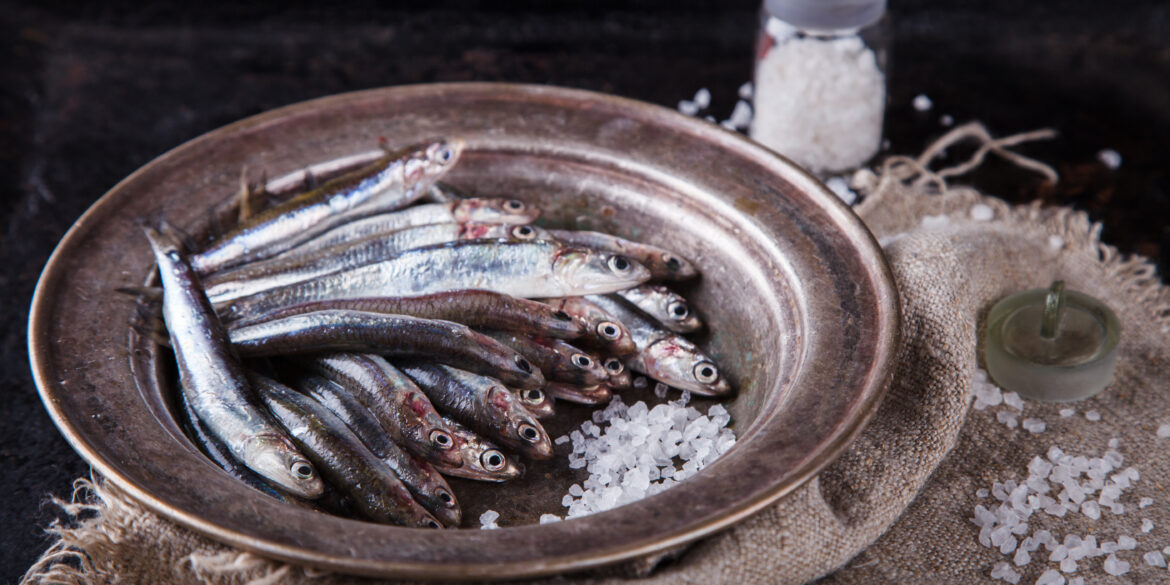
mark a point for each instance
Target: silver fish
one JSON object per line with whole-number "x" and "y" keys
{"x": 393, "y": 181}
{"x": 489, "y": 210}
{"x": 662, "y": 263}
{"x": 663, "y": 355}
{"x": 482, "y": 459}
{"x": 521, "y": 269}
{"x": 216, "y": 386}
{"x": 667, "y": 307}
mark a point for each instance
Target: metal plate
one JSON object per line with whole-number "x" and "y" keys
{"x": 800, "y": 304}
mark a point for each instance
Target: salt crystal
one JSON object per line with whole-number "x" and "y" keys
{"x": 660, "y": 390}
{"x": 1114, "y": 443}
{"x": 981, "y": 212}
{"x": 1055, "y": 242}
{"x": 1093, "y": 416}
{"x": 1006, "y": 417}
{"x": 1110, "y": 158}
{"x": 1147, "y": 525}
{"x": 1091, "y": 509}
{"x": 1051, "y": 577}
{"x": 561, "y": 440}
{"x": 741, "y": 116}
{"x": 1067, "y": 412}
{"x": 1126, "y": 542}
{"x": 840, "y": 187}
{"x": 745, "y": 91}
{"x": 1033, "y": 425}
{"x": 922, "y": 102}
{"x": 703, "y": 98}
{"x": 982, "y": 493}
{"x": 1005, "y": 572}
{"x": 1163, "y": 431}
{"x": 1154, "y": 559}
{"x": 1009, "y": 398}
{"x": 548, "y": 518}
{"x": 1068, "y": 566}
{"x": 487, "y": 520}
{"x": 935, "y": 221}
{"x": 1145, "y": 502}
{"x": 688, "y": 107}
{"x": 640, "y": 383}
{"x": 1115, "y": 567}
{"x": 946, "y": 120}
{"x": 1022, "y": 557}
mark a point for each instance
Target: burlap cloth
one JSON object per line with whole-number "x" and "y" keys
{"x": 896, "y": 508}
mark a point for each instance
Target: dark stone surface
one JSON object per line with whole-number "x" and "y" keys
{"x": 90, "y": 92}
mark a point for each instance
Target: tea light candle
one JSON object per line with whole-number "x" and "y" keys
{"x": 1052, "y": 344}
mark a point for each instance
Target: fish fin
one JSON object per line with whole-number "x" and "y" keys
{"x": 252, "y": 197}
{"x": 149, "y": 323}
{"x": 311, "y": 182}
{"x": 182, "y": 239}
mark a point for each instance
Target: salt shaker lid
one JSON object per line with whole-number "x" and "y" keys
{"x": 827, "y": 14}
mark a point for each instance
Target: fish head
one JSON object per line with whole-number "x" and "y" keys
{"x": 672, "y": 266}
{"x": 485, "y": 461}
{"x": 580, "y": 366}
{"x": 585, "y": 271}
{"x": 675, "y": 308}
{"x": 495, "y": 210}
{"x": 427, "y": 430}
{"x": 440, "y": 500}
{"x": 278, "y": 460}
{"x": 619, "y": 375}
{"x": 536, "y": 402}
{"x": 521, "y": 426}
{"x": 676, "y": 362}
{"x": 441, "y": 155}
{"x": 507, "y": 231}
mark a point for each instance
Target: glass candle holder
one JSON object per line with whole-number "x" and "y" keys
{"x": 1051, "y": 344}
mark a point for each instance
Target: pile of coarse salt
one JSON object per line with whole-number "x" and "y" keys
{"x": 819, "y": 101}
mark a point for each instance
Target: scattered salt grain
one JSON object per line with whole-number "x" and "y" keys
{"x": 1067, "y": 412}
{"x": 1145, "y": 502}
{"x": 1115, "y": 567}
{"x": 935, "y": 221}
{"x": 549, "y": 518}
{"x": 745, "y": 91}
{"x": 1164, "y": 431}
{"x": 1005, "y": 572}
{"x": 981, "y": 212}
{"x": 1154, "y": 559}
{"x": 946, "y": 120}
{"x": 1147, "y": 525}
{"x": 1092, "y": 416}
{"x": 1110, "y": 158}
{"x": 1051, "y": 577}
{"x": 741, "y": 116}
{"x": 688, "y": 107}
{"x": 1034, "y": 425}
{"x": 1126, "y": 542}
{"x": 840, "y": 187}
{"x": 703, "y": 98}
{"x": 1008, "y": 418}
{"x": 1055, "y": 242}
{"x": 487, "y": 520}
{"x": 561, "y": 440}
{"x": 1114, "y": 443}
{"x": 922, "y": 102}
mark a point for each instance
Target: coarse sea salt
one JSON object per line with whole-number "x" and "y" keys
{"x": 1092, "y": 416}
{"x": 487, "y": 520}
{"x": 982, "y": 212}
{"x": 637, "y": 451}
{"x": 1110, "y": 158}
{"x": 1163, "y": 431}
{"x": 946, "y": 120}
{"x": 840, "y": 187}
{"x": 922, "y": 102}
{"x": 1067, "y": 412}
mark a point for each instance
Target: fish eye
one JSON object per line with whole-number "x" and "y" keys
{"x": 302, "y": 470}
{"x": 614, "y": 365}
{"x": 608, "y": 330}
{"x": 523, "y": 232}
{"x": 492, "y": 460}
{"x": 445, "y": 154}
{"x": 529, "y": 433}
{"x": 523, "y": 364}
{"x": 533, "y": 396}
{"x": 442, "y": 439}
{"x": 671, "y": 262}
{"x": 581, "y": 360}
{"x": 706, "y": 373}
{"x": 678, "y": 310}
{"x": 619, "y": 264}
{"x": 514, "y": 205}
{"x": 563, "y": 316}
{"x": 446, "y": 497}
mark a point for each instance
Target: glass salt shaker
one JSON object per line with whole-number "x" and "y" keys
{"x": 820, "y": 82}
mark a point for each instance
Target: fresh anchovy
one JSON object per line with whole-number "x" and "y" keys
{"x": 520, "y": 269}
{"x": 482, "y": 459}
{"x": 398, "y": 335}
{"x": 489, "y": 210}
{"x": 662, "y": 263}
{"x": 601, "y": 329}
{"x": 393, "y": 181}
{"x": 619, "y": 376}
{"x": 665, "y": 356}
{"x": 556, "y": 359}
{"x": 348, "y": 464}
{"x": 216, "y": 386}
{"x": 404, "y": 411}
{"x": 541, "y": 405}
{"x": 218, "y": 454}
{"x": 420, "y": 478}
{"x": 474, "y": 308}
{"x": 664, "y": 305}
{"x": 595, "y": 394}
{"x": 482, "y": 404}
{"x": 255, "y": 277}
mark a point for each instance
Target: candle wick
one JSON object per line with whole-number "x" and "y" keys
{"x": 1053, "y": 309}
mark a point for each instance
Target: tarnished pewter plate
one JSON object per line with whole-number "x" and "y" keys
{"x": 800, "y": 305}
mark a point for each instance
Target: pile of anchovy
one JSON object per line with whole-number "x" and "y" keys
{"x": 347, "y": 347}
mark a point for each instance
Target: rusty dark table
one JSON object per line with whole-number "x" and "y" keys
{"x": 89, "y": 92}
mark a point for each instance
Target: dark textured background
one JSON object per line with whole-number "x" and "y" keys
{"x": 90, "y": 92}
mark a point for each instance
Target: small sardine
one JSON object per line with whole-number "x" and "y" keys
{"x": 482, "y": 404}
{"x": 601, "y": 329}
{"x": 404, "y": 411}
{"x": 483, "y": 211}
{"x": 540, "y": 404}
{"x": 215, "y": 385}
{"x": 665, "y": 356}
{"x": 520, "y": 269}
{"x": 662, "y": 263}
{"x": 427, "y": 486}
{"x": 556, "y": 359}
{"x": 474, "y": 308}
{"x": 397, "y": 335}
{"x": 595, "y": 394}
{"x": 619, "y": 376}
{"x": 482, "y": 459}
{"x": 343, "y": 459}
{"x": 396, "y": 180}
{"x": 664, "y": 305}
